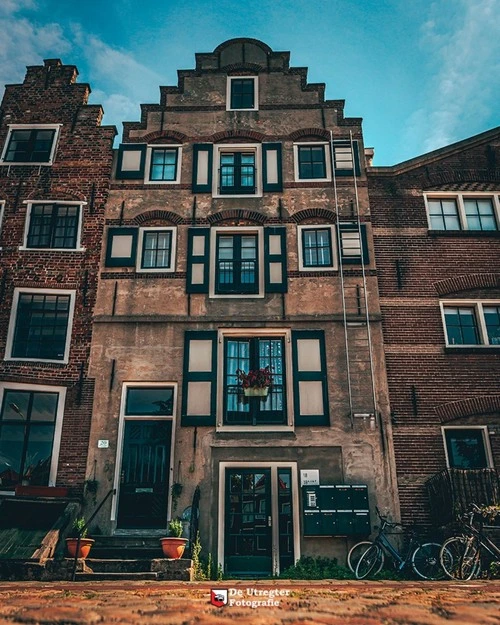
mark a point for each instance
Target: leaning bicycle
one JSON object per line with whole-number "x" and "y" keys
{"x": 422, "y": 557}
{"x": 462, "y": 555}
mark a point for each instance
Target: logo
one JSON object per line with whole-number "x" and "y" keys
{"x": 218, "y": 597}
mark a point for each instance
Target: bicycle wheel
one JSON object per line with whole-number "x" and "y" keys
{"x": 425, "y": 561}
{"x": 356, "y": 552}
{"x": 370, "y": 562}
{"x": 452, "y": 555}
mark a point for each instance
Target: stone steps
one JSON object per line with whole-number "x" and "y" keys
{"x": 109, "y": 576}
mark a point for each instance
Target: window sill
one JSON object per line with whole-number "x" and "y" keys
{"x": 253, "y": 430}
{"x": 36, "y": 361}
{"x": 313, "y": 179}
{"x": 472, "y": 349}
{"x": 223, "y": 435}
{"x": 22, "y": 248}
{"x": 220, "y": 196}
{"x": 155, "y": 270}
{"x": 166, "y": 182}
{"x": 464, "y": 233}
{"x": 8, "y": 164}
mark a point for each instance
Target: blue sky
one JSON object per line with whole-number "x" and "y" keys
{"x": 421, "y": 73}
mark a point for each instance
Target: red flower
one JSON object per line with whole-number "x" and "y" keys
{"x": 256, "y": 378}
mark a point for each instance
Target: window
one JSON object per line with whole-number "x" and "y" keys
{"x": 311, "y": 162}
{"x": 467, "y": 447}
{"x": 53, "y": 226}
{"x": 237, "y": 266}
{"x": 27, "y": 145}
{"x": 163, "y": 164}
{"x": 464, "y": 211}
{"x": 30, "y": 430}
{"x": 149, "y": 401}
{"x": 248, "y": 354}
{"x": 471, "y": 323}
{"x": 242, "y": 93}
{"x": 157, "y": 247}
{"x": 40, "y": 325}
{"x": 316, "y": 250}
{"x": 237, "y": 173}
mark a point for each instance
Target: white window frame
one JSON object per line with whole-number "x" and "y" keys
{"x": 173, "y": 249}
{"x": 478, "y": 306}
{"x": 255, "y": 92}
{"x": 238, "y": 230}
{"x": 459, "y": 200}
{"x": 486, "y": 441}
{"x": 56, "y": 445}
{"x": 328, "y": 160}
{"x": 147, "y": 166}
{"x": 283, "y": 333}
{"x": 56, "y": 127}
{"x": 237, "y": 147}
{"x": 2, "y": 212}
{"x": 121, "y": 434}
{"x": 333, "y": 249}
{"x": 29, "y": 207}
{"x": 12, "y": 323}
{"x": 274, "y": 466}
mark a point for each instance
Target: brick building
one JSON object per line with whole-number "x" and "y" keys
{"x": 55, "y": 164}
{"x": 238, "y": 239}
{"x": 435, "y": 225}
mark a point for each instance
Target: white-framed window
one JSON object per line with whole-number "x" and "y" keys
{"x": 30, "y": 144}
{"x": 236, "y": 170}
{"x": 237, "y": 262}
{"x": 40, "y": 325}
{"x": 145, "y": 449}
{"x": 54, "y": 225}
{"x": 242, "y": 93}
{"x": 312, "y": 162}
{"x": 317, "y": 247}
{"x": 31, "y": 417}
{"x": 2, "y": 211}
{"x": 467, "y": 447}
{"x": 163, "y": 164}
{"x": 157, "y": 249}
{"x": 473, "y": 211}
{"x": 248, "y": 350}
{"x": 471, "y": 322}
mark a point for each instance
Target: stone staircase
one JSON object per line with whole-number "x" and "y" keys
{"x": 131, "y": 558}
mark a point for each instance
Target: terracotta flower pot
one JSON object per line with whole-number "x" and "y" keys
{"x": 85, "y": 545}
{"x": 173, "y": 548}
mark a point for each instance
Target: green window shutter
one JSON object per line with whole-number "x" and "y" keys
{"x": 310, "y": 388}
{"x": 202, "y": 167}
{"x": 275, "y": 269}
{"x": 131, "y": 161}
{"x": 271, "y": 167}
{"x": 350, "y": 247}
{"x": 198, "y": 258}
{"x": 199, "y": 384}
{"x": 340, "y": 155}
{"x": 121, "y": 249}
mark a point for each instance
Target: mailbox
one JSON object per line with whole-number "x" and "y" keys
{"x": 336, "y": 510}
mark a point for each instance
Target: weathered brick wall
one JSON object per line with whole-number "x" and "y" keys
{"x": 80, "y": 172}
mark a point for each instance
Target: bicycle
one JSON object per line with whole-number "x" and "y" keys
{"x": 423, "y": 557}
{"x": 461, "y": 555}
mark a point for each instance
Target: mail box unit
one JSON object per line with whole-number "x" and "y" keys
{"x": 335, "y": 510}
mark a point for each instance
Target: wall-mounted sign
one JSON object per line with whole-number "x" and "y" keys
{"x": 102, "y": 444}
{"x": 309, "y": 477}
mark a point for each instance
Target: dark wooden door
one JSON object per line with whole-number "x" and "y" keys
{"x": 144, "y": 480}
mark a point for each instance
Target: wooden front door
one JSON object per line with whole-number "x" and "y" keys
{"x": 144, "y": 478}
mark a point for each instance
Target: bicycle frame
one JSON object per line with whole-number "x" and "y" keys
{"x": 383, "y": 542}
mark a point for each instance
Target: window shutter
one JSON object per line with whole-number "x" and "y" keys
{"x": 339, "y": 150}
{"x": 347, "y": 244}
{"x": 199, "y": 385}
{"x": 310, "y": 391}
{"x": 198, "y": 257}
{"x": 131, "y": 161}
{"x": 202, "y": 167}
{"x": 275, "y": 259}
{"x": 121, "y": 247}
{"x": 271, "y": 167}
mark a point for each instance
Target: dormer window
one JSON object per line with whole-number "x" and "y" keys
{"x": 242, "y": 93}
{"x": 30, "y": 145}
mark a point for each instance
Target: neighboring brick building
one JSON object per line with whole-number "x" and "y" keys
{"x": 55, "y": 164}
{"x": 233, "y": 244}
{"x": 436, "y": 222}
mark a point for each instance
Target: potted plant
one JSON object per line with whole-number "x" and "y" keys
{"x": 79, "y": 532}
{"x": 173, "y": 545}
{"x": 256, "y": 382}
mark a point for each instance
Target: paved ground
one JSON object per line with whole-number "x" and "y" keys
{"x": 309, "y": 603}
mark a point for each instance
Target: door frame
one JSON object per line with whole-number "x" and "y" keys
{"x": 121, "y": 436}
{"x": 274, "y": 466}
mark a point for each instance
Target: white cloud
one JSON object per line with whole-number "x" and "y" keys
{"x": 8, "y": 7}
{"x": 464, "y": 45}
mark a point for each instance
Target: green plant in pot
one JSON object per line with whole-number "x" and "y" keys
{"x": 173, "y": 545}
{"x": 78, "y": 539}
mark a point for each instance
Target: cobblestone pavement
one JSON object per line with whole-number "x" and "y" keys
{"x": 308, "y": 603}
